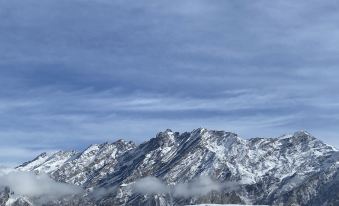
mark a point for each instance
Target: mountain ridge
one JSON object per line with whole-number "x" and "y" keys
{"x": 284, "y": 170}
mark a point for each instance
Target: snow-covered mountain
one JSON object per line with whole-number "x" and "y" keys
{"x": 292, "y": 169}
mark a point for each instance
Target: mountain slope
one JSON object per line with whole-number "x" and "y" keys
{"x": 296, "y": 168}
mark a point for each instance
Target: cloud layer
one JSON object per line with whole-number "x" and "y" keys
{"x": 197, "y": 187}
{"x": 150, "y": 185}
{"x": 40, "y": 187}
{"x": 77, "y": 72}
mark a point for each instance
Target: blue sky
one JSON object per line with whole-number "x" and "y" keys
{"x": 76, "y": 72}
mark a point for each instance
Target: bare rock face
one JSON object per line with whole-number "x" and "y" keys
{"x": 292, "y": 169}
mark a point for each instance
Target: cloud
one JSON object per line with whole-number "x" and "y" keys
{"x": 99, "y": 193}
{"x": 201, "y": 186}
{"x": 40, "y": 187}
{"x": 68, "y": 78}
{"x": 197, "y": 187}
{"x": 150, "y": 185}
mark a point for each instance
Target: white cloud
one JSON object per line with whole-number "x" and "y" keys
{"x": 39, "y": 186}
{"x": 99, "y": 193}
{"x": 84, "y": 88}
{"x": 199, "y": 186}
{"x": 150, "y": 185}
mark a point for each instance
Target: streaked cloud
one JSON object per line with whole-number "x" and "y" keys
{"x": 78, "y": 72}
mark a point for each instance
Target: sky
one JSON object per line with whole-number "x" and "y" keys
{"x": 77, "y": 72}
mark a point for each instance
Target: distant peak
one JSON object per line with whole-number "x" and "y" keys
{"x": 200, "y": 130}
{"x": 44, "y": 154}
{"x": 165, "y": 133}
{"x": 40, "y": 156}
{"x": 123, "y": 143}
{"x": 300, "y": 137}
{"x": 301, "y": 133}
{"x": 168, "y": 131}
{"x": 120, "y": 141}
{"x": 297, "y": 134}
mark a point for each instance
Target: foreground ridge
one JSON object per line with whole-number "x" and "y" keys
{"x": 292, "y": 169}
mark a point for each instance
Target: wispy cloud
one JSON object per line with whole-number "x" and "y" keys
{"x": 40, "y": 188}
{"x": 134, "y": 68}
{"x": 197, "y": 187}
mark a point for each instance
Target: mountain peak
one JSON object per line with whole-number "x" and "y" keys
{"x": 303, "y": 136}
{"x": 301, "y": 133}
{"x": 30, "y": 164}
{"x": 200, "y": 130}
{"x": 168, "y": 131}
{"x": 165, "y": 138}
{"x": 122, "y": 142}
